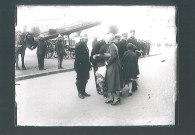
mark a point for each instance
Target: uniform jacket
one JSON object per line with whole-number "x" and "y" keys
{"x": 41, "y": 48}
{"x": 60, "y": 48}
{"x": 82, "y": 63}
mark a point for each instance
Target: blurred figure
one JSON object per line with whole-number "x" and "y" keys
{"x": 82, "y": 66}
{"x": 129, "y": 67}
{"x": 117, "y": 40}
{"x": 41, "y": 50}
{"x": 148, "y": 47}
{"x": 60, "y": 51}
{"x": 95, "y": 61}
{"x": 113, "y": 72}
{"x": 133, "y": 40}
{"x": 122, "y": 47}
{"x": 94, "y": 42}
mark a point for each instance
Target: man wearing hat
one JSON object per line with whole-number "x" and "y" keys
{"x": 41, "y": 50}
{"x": 82, "y": 66}
{"x": 60, "y": 51}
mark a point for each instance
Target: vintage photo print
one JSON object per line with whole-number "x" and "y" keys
{"x": 95, "y": 65}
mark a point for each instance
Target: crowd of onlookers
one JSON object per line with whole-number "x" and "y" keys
{"x": 114, "y": 62}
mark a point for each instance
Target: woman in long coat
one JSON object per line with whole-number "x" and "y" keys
{"x": 113, "y": 73}
{"x": 129, "y": 66}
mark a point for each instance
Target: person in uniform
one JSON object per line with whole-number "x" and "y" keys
{"x": 82, "y": 66}
{"x": 41, "y": 50}
{"x": 60, "y": 51}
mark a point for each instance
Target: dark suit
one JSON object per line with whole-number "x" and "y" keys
{"x": 82, "y": 66}
{"x": 60, "y": 52}
{"x": 122, "y": 48}
{"x": 41, "y": 50}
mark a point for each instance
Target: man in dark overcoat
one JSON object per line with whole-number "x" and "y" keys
{"x": 82, "y": 66}
{"x": 41, "y": 50}
{"x": 122, "y": 47}
{"x": 60, "y": 51}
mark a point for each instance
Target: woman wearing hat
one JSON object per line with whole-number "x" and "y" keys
{"x": 113, "y": 72}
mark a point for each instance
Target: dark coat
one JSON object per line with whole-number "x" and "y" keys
{"x": 113, "y": 70}
{"x": 95, "y": 50}
{"x": 41, "y": 47}
{"x": 129, "y": 65}
{"x": 132, "y": 40}
{"x": 82, "y": 63}
{"x": 60, "y": 48}
{"x": 102, "y": 57}
{"x": 122, "y": 48}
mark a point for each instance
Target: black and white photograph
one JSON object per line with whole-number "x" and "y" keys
{"x": 95, "y": 65}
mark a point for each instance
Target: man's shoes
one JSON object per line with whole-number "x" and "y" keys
{"x": 81, "y": 96}
{"x": 86, "y": 95}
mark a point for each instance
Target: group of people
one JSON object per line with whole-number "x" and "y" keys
{"x": 42, "y": 48}
{"x": 115, "y": 65}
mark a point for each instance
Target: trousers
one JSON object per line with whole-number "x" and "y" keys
{"x": 40, "y": 58}
{"x": 60, "y": 59}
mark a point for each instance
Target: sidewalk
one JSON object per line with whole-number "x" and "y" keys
{"x": 50, "y": 65}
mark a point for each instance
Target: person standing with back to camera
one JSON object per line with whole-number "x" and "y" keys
{"x": 82, "y": 66}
